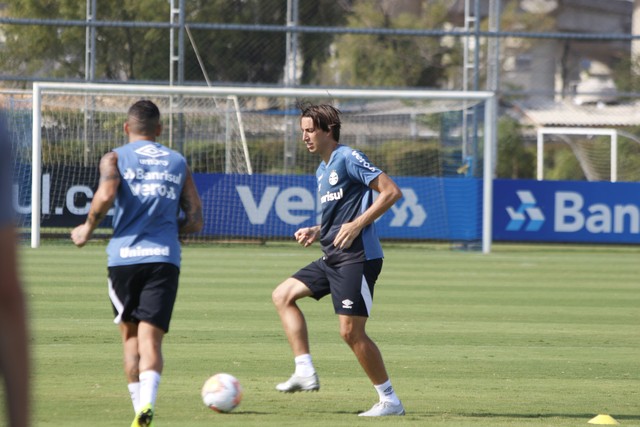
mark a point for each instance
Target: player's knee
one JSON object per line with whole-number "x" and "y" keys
{"x": 349, "y": 334}
{"x": 352, "y": 331}
{"x": 279, "y": 296}
{"x": 284, "y": 294}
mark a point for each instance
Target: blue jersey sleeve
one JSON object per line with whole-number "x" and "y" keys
{"x": 360, "y": 168}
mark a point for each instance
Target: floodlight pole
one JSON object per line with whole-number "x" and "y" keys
{"x": 176, "y": 58}
{"x": 290, "y": 80}
{"x": 89, "y": 70}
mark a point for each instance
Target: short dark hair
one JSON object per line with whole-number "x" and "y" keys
{"x": 324, "y": 116}
{"x": 143, "y": 117}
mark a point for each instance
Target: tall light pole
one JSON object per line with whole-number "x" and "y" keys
{"x": 176, "y": 60}
{"x": 290, "y": 80}
{"x": 89, "y": 73}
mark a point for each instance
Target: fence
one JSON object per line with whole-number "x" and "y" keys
{"x": 549, "y": 69}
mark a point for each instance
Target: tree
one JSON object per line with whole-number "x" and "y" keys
{"x": 259, "y": 56}
{"x": 514, "y": 159}
{"x": 121, "y": 53}
{"x": 393, "y": 60}
{"x": 125, "y": 53}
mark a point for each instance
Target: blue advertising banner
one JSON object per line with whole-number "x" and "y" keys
{"x": 267, "y": 206}
{"x": 272, "y": 206}
{"x": 566, "y": 211}
{"x": 275, "y": 206}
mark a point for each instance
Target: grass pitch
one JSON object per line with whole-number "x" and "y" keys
{"x": 528, "y": 335}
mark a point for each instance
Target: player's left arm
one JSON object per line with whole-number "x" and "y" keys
{"x": 389, "y": 194}
{"x": 191, "y": 205}
{"x": 102, "y": 200}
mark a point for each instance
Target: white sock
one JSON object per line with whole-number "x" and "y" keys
{"x": 134, "y": 392}
{"x": 386, "y": 393}
{"x": 149, "y": 383}
{"x": 304, "y": 366}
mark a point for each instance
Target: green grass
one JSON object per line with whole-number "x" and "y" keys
{"x": 528, "y": 335}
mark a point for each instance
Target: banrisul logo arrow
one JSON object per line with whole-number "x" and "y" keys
{"x": 527, "y": 213}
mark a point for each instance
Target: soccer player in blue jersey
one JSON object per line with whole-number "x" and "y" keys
{"x": 14, "y": 347}
{"x": 155, "y": 200}
{"x": 352, "y": 256}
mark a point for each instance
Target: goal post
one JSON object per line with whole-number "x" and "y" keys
{"x": 580, "y": 131}
{"x": 416, "y": 136}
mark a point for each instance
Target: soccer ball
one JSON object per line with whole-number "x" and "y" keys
{"x": 222, "y": 392}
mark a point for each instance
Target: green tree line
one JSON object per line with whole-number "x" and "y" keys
{"x": 142, "y": 54}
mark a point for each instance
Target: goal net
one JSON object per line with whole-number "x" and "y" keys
{"x": 255, "y": 177}
{"x": 594, "y": 150}
{"x": 590, "y": 154}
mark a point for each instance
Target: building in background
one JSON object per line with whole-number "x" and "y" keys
{"x": 560, "y": 69}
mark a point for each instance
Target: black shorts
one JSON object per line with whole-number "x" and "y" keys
{"x": 351, "y": 285}
{"x": 144, "y": 292}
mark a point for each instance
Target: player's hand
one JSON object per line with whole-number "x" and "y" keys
{"x": 307, "y": 235}
{"x": 347, "y": 234}
{"x": 80, "y": 235}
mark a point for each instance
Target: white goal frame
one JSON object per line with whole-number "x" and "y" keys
{"x": 490, "y": 133}
{"x": 611, "y": 133}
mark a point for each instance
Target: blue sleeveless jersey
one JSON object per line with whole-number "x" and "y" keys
{"x": 145, "y": 220}
{"x": 344, "y": 193}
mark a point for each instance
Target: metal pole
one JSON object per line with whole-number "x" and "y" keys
{"x": 493, "y": 54}
{"x": 487, "y": 181}
{"x": 181, "y": 124}
{"x": 181, "y": 21}
{"x": 90, "y": 43}
{"x": 89, "y": 73}
{"x": 176, "y": 59}
{"x": 172, "y": 56}
{"x": 465, "y": 80}
{"x": 476, "y": 87}
{"x": 36, "y": 167}
{"x": 614, "y": 156}
{"x": 493, "y": 65}
{"x": 540, "y": 156}
{"x": 290, "y": 80}
{"x": 635, "y": 43}
{"x": 172, "y": 60}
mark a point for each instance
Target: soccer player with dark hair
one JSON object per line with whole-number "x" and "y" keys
{"x": 155, "y": 200}
{"x": 352, "y": 256}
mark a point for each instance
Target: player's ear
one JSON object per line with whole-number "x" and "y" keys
{"x": 159, "y": 129}
{"x": 125, "y": 126}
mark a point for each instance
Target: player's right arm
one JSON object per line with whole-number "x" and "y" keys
{"x": 102, "y": 200}
{"x": 307, "y": 235}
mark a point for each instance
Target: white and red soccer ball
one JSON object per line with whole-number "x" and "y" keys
{"x": 222, "y": 392}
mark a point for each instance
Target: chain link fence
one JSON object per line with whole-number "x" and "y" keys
{"x": 554, "y": 68}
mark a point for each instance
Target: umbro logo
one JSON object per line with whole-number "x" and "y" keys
{"x": 526, "y": 209}
{"x": 151, "y": 150}
{"x": 347, "y": 303}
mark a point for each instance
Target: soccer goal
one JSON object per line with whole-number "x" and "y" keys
{"x": 594, "y": 158}
{"x": 255, "y": 177}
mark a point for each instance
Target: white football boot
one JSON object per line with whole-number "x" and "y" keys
{"x": 382, "y": 409}
{"x": 298, "y": 383}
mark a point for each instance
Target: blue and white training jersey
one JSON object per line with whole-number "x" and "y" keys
{"x": 344, "y": 193}
{"x": 145, "y": 220}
